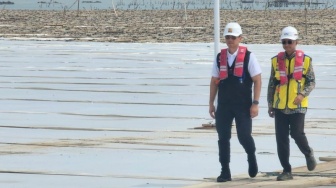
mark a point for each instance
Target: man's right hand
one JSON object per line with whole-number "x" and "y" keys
{"x": 271, "y": 112}
{"x": 212, "y": 110}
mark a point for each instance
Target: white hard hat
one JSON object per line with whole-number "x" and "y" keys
{"x": 289, "y": 33}
{"x": 233, "y": 29}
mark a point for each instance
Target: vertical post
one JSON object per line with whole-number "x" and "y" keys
{"x": 185, "y": 10}
{"x": 78, "y": 8}
{"x": 216, "y": 27}
{"x": 115, "y": 12}
{"x": 306, "y": 15}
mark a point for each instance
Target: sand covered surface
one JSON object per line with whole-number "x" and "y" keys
{"x": 259, "y": 26}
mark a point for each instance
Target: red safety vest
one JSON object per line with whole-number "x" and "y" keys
{"x": 239, "y": 64}
{"x": 297, "y": 74}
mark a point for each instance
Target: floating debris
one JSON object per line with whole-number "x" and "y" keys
{"x": 328, "y": 158}
{"x": 91, "y": 1}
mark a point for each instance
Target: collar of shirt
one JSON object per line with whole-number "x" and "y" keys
{"x": 231, "y": 57}
{"x": 290, "y": 56}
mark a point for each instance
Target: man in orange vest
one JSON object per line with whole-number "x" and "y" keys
{"x": 291, "y": 81}
{"x": 235, "y": 72}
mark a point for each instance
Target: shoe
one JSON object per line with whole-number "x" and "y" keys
{"x": 284, "y": 176}
{"x": 224, "y": 176}
{"x": 311, "y": 162}
{"x": 221, "y": 178}
{"x": 253, "y": 166}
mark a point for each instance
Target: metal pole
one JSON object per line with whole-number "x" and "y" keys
{"x": 78, "y": 9}
{"x": 306, "y": 15}
{"x": 216, "y": 27}
{"x": 185, "y": 10}
{"x": 115, "y": 12}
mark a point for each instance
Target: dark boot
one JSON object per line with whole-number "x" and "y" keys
{"x": 253, "y": 166}
{"x": 224, "y": 159}
{"x": 284, "y": 176}
{"x": 225, "y": 174}
{"x": 310, "y": 159}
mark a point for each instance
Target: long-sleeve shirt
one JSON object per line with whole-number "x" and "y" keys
{"x": 308, "y": 87}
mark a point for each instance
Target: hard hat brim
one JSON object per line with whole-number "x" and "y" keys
{"x": 232, "y": 34}
{"x": 291, "y": 38}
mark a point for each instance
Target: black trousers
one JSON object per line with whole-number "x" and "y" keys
{"x": 224, "y": 118}
{"x": 285, "y": 125}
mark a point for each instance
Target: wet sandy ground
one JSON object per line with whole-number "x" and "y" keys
{"x": 259, "y": 26}
{"x": 123, "y": 115}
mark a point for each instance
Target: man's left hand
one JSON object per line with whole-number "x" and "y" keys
{"x": 254, "y": 111}
{"x": 298, "y": 99}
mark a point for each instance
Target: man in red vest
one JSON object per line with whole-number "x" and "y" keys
{"x": 235, "y": 72}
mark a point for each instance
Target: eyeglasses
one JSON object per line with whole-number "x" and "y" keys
{"x": 287, "y": 42}
{"x": 227, "y": 37}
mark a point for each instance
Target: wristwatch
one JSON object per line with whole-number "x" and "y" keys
{"x": 255, "y": 102}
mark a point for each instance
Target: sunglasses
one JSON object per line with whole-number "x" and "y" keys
{"x": 227, "y": 37}
{"x": 287, "y": 42}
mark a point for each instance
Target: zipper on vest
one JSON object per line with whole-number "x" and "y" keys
{"x": 299, "y": 89}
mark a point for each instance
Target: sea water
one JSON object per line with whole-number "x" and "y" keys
{"x": 125, "y": 112}
{"x": 169, "y": 75}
